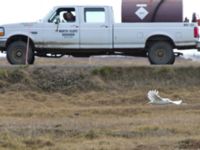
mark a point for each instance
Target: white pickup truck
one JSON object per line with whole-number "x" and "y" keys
{"x": 83, "y": 31}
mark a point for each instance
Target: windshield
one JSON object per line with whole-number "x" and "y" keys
{"x": 50, "y": 13}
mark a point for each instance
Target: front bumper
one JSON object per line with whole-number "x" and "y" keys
{"x": 2, "y": 43}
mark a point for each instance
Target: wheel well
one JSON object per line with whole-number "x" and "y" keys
{"x": 155, "y": 38}
{"x": 19, "y": 38}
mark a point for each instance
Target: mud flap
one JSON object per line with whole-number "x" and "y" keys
{"x": 198, "y": 46}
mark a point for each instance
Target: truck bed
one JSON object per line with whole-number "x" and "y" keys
{"x": 136, "y": 34}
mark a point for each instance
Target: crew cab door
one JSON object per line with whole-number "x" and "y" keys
{"x": 95, "y": 28}
{"x": 60, "y": 33}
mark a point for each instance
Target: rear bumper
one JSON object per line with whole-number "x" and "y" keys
{"x": 198, "y": 46}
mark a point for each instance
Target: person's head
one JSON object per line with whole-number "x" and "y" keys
{"x": 194, "y": 17}
{"x": 69, "y": 17}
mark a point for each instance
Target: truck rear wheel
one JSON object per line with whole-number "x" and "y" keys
{"x": 161, "y": 53}
{"x": 16, "y": 53}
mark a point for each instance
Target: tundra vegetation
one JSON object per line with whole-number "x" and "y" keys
{"x": 98, "y": 104}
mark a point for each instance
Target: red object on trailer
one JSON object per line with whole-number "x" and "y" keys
{"x": 196, "y": 32}
{"x": 152, "y": 11}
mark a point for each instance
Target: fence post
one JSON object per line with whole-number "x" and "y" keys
{"x": 27, "y": 51}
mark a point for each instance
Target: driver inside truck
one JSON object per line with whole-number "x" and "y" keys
{"x": 69, "y": 17}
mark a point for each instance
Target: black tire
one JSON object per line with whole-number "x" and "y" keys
{"x": 16, "y": 53}
{"x": 161, "y": 53}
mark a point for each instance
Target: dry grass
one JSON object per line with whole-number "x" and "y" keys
{"x": 58, "y": 121}
{"x": 95, "y": 107}
{"x": 102, "y": 61}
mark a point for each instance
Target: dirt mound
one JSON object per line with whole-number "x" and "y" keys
{"x": 82, "y": 79}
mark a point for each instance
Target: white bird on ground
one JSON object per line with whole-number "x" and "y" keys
{"x": 154, "y": 98}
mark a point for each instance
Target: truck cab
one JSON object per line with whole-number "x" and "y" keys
{"x": 90, "y": 28}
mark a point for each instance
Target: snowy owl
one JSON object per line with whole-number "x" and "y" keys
{"x": 154, "y": 98}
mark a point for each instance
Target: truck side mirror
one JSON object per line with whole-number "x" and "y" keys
{"x": 57, "y": 20}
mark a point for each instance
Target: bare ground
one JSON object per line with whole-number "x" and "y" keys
{"x": 98, "y": 104}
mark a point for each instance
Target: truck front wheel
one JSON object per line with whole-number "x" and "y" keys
{"x": 16, "y": 53}
{"x": 161, "y": 53}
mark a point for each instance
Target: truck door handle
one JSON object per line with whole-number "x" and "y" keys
{"x": 104, "y": 26}
{"x": 74, "y": 26}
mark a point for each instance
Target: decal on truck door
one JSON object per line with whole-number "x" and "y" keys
{"x": 68, "y": 33}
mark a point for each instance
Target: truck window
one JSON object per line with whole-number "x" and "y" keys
{"x": 65, "y": 15}
{"x": 68, "y": 16}
{"x": 94, "y": 15}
